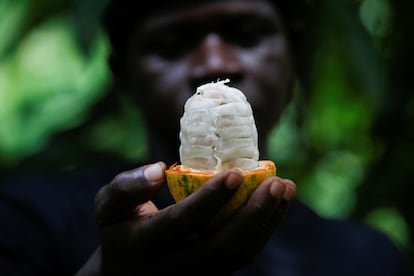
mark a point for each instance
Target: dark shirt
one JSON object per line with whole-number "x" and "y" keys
{"x": 48, "y": 228}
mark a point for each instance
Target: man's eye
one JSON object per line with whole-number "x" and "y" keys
{"x": 167, "y": 45}
{"x": 249, "y": 33}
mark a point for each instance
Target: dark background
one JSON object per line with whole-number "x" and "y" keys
{"x": 348, "y": 141}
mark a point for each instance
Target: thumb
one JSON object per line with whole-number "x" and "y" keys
{"x": 119, "y": 199}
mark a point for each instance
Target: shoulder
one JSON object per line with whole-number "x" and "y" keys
{"x": 48, "y": 219}
{"x": 307, "y": 244}
{"x": 48, "y": 194}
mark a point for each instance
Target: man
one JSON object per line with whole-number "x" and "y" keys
{"x": 160, "y": 54}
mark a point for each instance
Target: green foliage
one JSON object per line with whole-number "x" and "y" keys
{"x": 12, "y": 15}
{"x": 47, "y": 85}
{"x": 53, "y": 72}
{"x": 390, "y": 221}
{"x": 122, "y": 134}
{"x": 377, "y": 18}
{"x": 325, "y": 140}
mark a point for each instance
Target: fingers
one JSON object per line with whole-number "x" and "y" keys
{"x": 282, "y": 206}
{"x": 263, "y": 204}
{"x": 260, "y": 217}
{"x": 194, "y": 212}
{"x": 261, "y": 233}
{"x": 239, "y": 241}
{"x": 171, "y": 230}
{"x": 264, "y": 210}
{"x": 118, "y": 200}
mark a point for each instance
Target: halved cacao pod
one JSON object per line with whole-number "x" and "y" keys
{"x": 182, "y": 181}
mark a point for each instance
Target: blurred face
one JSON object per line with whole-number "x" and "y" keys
{"x": 173, "y": 52}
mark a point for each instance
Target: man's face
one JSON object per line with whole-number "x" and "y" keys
{"x": 172, "y": 53}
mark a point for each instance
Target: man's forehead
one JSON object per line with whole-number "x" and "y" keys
{"x": 121, "y": 17}
{"x": 203, "y": 11}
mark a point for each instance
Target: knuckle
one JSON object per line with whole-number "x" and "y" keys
{"x": 110, "y": 191}
{"x": 100, "y": 197}
{"x": 119, "y": 184}
{"x": 260, "y": 207}
{"x": 117, "y": 180}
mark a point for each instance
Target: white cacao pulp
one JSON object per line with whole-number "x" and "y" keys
{"x": 218, "y": 130}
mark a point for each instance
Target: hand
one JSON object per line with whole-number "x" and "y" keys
{"x": 139, "y": 239}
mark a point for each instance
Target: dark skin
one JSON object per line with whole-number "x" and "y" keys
{"x": 167, "y": 57}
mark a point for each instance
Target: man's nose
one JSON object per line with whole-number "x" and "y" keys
{"x": 215, "y": 58}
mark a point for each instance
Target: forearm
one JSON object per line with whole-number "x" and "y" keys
{"x": 93, "y": 266}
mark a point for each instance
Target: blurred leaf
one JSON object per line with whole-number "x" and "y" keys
{"x": 20, "y": 17}
{"x": 378, "y": 19}
{"x": 50, "y": 86}
{"x": 121, "y": 134}
{"x": 389, "y": 221}
{"x": 330, "y": 188}
{"x": 329, "y": 151}
{"x": 285, "y": 144}
{"x": 376, "y": 16}
{"x": 86, "y": 17}
{"x": 338, "y": 114}
{"x": 12, "y": 14}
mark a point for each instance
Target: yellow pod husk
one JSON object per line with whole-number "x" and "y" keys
{"x": 183, "y": 181}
